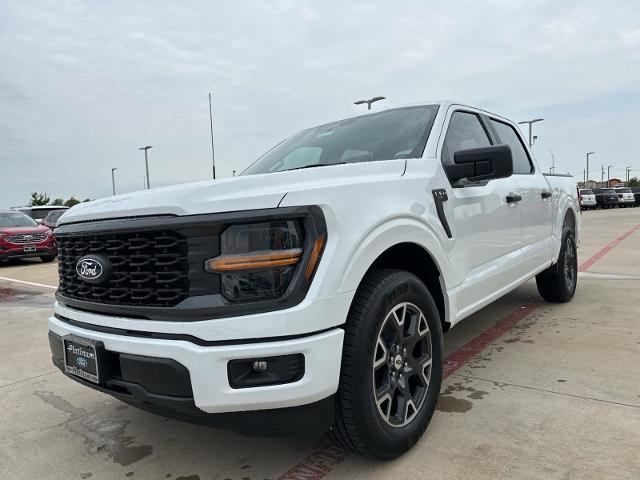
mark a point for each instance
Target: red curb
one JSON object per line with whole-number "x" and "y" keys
{"x": 610, "y": 246}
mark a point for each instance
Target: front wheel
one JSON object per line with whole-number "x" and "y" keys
{"x": 391, "y": 366}
{"x": 558, "y": 282}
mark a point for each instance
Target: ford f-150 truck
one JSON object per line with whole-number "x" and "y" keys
{"x": 311, "y": 293}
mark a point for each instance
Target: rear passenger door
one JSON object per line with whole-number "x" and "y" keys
{"x": 487, "y": 230}
{"x": 536, "y": 200}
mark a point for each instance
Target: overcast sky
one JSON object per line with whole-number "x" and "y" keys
{"x": 84, "y": 84}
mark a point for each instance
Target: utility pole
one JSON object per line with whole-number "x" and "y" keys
{"x": 146, "y": 162}
{"x": 113, "y": 180}
{"x": 531, "y": 122}
{"x": 602, "y": 177}
{"x": 213, "y": 156}
{"x": 369, "y": 101}
{"x": 627, "y": 170}
{"x": 587, "y": 174}
{"x": 609, "y": 175}
{"x": 553, "y": 162}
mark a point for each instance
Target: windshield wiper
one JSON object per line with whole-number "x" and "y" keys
{"x": 313, "y": 165}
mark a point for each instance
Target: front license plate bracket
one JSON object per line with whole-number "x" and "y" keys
{"x": 82, "y": 358}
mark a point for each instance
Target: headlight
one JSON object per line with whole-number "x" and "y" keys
{"x": 258, "y": 261}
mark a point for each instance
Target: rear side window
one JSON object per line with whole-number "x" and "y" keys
{"x": 465, "y": 131}
{"x": 508, "y": 136}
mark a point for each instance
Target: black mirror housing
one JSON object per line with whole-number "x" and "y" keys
{"x": 479, "y": 164}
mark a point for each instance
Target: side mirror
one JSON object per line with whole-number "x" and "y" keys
{"x": 478, "y": 164}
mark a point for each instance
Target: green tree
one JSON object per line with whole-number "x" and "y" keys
{"x": 58, "y": 201}
{"x": 633, "y": 182}
{"x": 71, "y": 202}
{"x": 38, "y": 199}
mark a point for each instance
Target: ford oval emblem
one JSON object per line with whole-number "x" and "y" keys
{"x": 93, "y": 268}
{"x": 82, "y": 362}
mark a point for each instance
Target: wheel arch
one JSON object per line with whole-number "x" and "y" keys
{"x": 414, "y": 259}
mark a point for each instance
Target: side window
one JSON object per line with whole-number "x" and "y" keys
{"x": 465, "y": 131}
{"x": 508, "y": 136}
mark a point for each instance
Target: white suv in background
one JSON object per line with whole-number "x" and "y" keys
{"x": 625, "y": 197}
{"x": 587, "y": 199}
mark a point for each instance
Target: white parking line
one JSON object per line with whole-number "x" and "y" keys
{"x": 27, "y": 283}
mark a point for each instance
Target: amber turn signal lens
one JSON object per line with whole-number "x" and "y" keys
{"x": 315, "y": 256}
{"x": 265, "y": 259}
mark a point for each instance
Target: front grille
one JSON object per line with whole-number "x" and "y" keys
{"x": 148, "y": 268}
{"x": 26, "y": 238}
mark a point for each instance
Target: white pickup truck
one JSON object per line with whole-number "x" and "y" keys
{"x": 311, "y": 293}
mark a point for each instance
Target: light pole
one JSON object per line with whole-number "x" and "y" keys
{"x": 146, "y": 162}
{"x": 213, "y": 157}
{"x": 113, "y": 180}
{"x": 369, "y": 102}
{"x": 553, "y": 162}
{"x": 531, "y": 122}
{"x": 587, "y": 171}
{"x": 627, "y": 170}
{"x": 602, "y": 175}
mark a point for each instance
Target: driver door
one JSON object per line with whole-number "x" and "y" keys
{"x": 486, "y": 222}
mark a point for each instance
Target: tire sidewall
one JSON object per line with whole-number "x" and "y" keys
{"x": 568, "y": 235}
{"x": 382, "y": 439}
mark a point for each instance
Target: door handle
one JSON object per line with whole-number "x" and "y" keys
{"x": 545, "y": 194}
{"x": 513, "y": 198}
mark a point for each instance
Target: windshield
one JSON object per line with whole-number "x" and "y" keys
{"x": 17, "y": 219}
{"x": 397, "y": 133}
{"x": 586, "y": 192}
{"x": 608, "y": 191}
{"x": 624, "y": 190}
{"x": 54, "y": 216}
{"x": 40, "y": 212}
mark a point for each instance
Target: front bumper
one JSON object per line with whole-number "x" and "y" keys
{"x": 8, "y": 252}
{"x": 207, "y": 367}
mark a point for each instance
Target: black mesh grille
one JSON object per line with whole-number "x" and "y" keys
{"x": 148, "y": 268}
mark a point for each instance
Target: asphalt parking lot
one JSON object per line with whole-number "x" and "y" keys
{"x": 533, "y": 390}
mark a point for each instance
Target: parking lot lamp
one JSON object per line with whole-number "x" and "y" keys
{"x": 531, "y": 122}
{"x": 369, "y": 101}
{"x": 113, "y": 180}
{"x": 146, "y": 162}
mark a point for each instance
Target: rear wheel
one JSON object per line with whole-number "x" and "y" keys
{"x": 391, "y": 366}
{"x": 558, "y": 282}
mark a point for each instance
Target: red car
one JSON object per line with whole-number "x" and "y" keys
{"x": 21, "y": 237}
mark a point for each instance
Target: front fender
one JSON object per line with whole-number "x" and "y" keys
{"x": 386, "y": 235}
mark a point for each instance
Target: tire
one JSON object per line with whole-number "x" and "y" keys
{"x": 558, "y": 282}
{"x": 382, "y": 428}
{"x": 47, "y": 258}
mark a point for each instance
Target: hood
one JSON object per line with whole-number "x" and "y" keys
{"x": 24, "y": 230}
{"x": 249, "y": 192}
